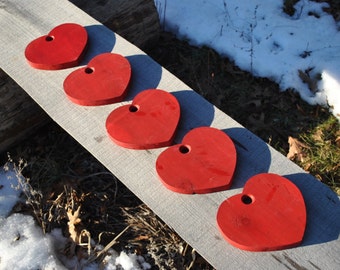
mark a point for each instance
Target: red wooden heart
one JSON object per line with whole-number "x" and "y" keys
{"x": 103, "y": 81}
{"x": 63, "y": 47}
{"x": 269, "y": 214}
{"x": 149, "y": 122}
{"x": 204, "y": 162}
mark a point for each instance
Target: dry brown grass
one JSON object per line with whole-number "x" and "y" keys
{"x": 67, "y": 198}
{"x": 62, "y": 174}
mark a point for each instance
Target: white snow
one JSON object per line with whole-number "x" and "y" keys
{"x": 260, "y": 38}
{"x": 9, "y": 191}
{"x": 24, "y": 246}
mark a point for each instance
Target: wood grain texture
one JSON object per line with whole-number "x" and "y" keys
{"x": 135, "y": 20}
{"x": 63, "y": 47}
{"x": 204, "y": 162}
{"x": 192, "y": 216}
{"x": 20, "y": 116}
{"x": 270, "y": 214}
{"x": 104, "y": 80}
{"x": 150, "y": 121}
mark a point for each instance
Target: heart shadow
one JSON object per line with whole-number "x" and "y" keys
{"x": 249, "y": 149}
{"x": 323, "y": 209}
{"x": 100, "y": 40}
{"x": 146, "y": 74}
{"x": 195, "y": 112}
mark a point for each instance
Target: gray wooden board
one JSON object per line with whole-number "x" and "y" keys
{"x": 192, "y": 216}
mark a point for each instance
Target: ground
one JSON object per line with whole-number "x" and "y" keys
{"x": 61, "y": 169}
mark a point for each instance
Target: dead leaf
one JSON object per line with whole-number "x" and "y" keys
{"x": 296, "y": 149}
{"x": 337, "y": 140}
{"x": 73, "y": 221}
{"x": 142, "y": 238}
{"x": 307, "y": 166}
{"x": 311, "y": 82}
{"x": 318, "y": 135}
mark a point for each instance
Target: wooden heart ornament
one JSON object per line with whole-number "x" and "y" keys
{"x": 63, "y": 47}
{"x": 149, "y": 122}
{"x": 269, "y": 214}
{"x": 103, "y": 81}
{"x": 204, "y": 162}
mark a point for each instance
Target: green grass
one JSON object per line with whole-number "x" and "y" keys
{"x": 56, "y": 163}
{"x": 256, "y": 103}
{"x": 322, "y": 157}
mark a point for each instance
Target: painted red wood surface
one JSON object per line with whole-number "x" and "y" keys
{"x": 269, "y": 214}
{"x": 204, "y": 162}
{"x": 104, "y": 80}
{"x": 62, "y": 47}
{"x": 149, "y": 122}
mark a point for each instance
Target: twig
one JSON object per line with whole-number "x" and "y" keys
{"x": 108, "y": 246}
{"x": 193, "y": 255}
{"x": 252, "y": 27}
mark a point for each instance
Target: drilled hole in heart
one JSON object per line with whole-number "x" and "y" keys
{"x": 133, "y": 108}
{"x": 89, "y": 70}
{"x": 246, "y": 199}
{"x": 184, "y": 149}
{"x": 49, "y": 38}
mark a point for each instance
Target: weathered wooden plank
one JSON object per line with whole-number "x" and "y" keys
{"x": 19, "y": 114}
{"x": 135, "y": 20}
{"x": 192, "y": 216}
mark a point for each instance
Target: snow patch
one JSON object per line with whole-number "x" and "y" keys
{"x": 260, "y": 38}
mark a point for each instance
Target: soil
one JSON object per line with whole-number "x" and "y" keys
{"x": 58, "y": 166}
{"x": 63, "y": 171}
